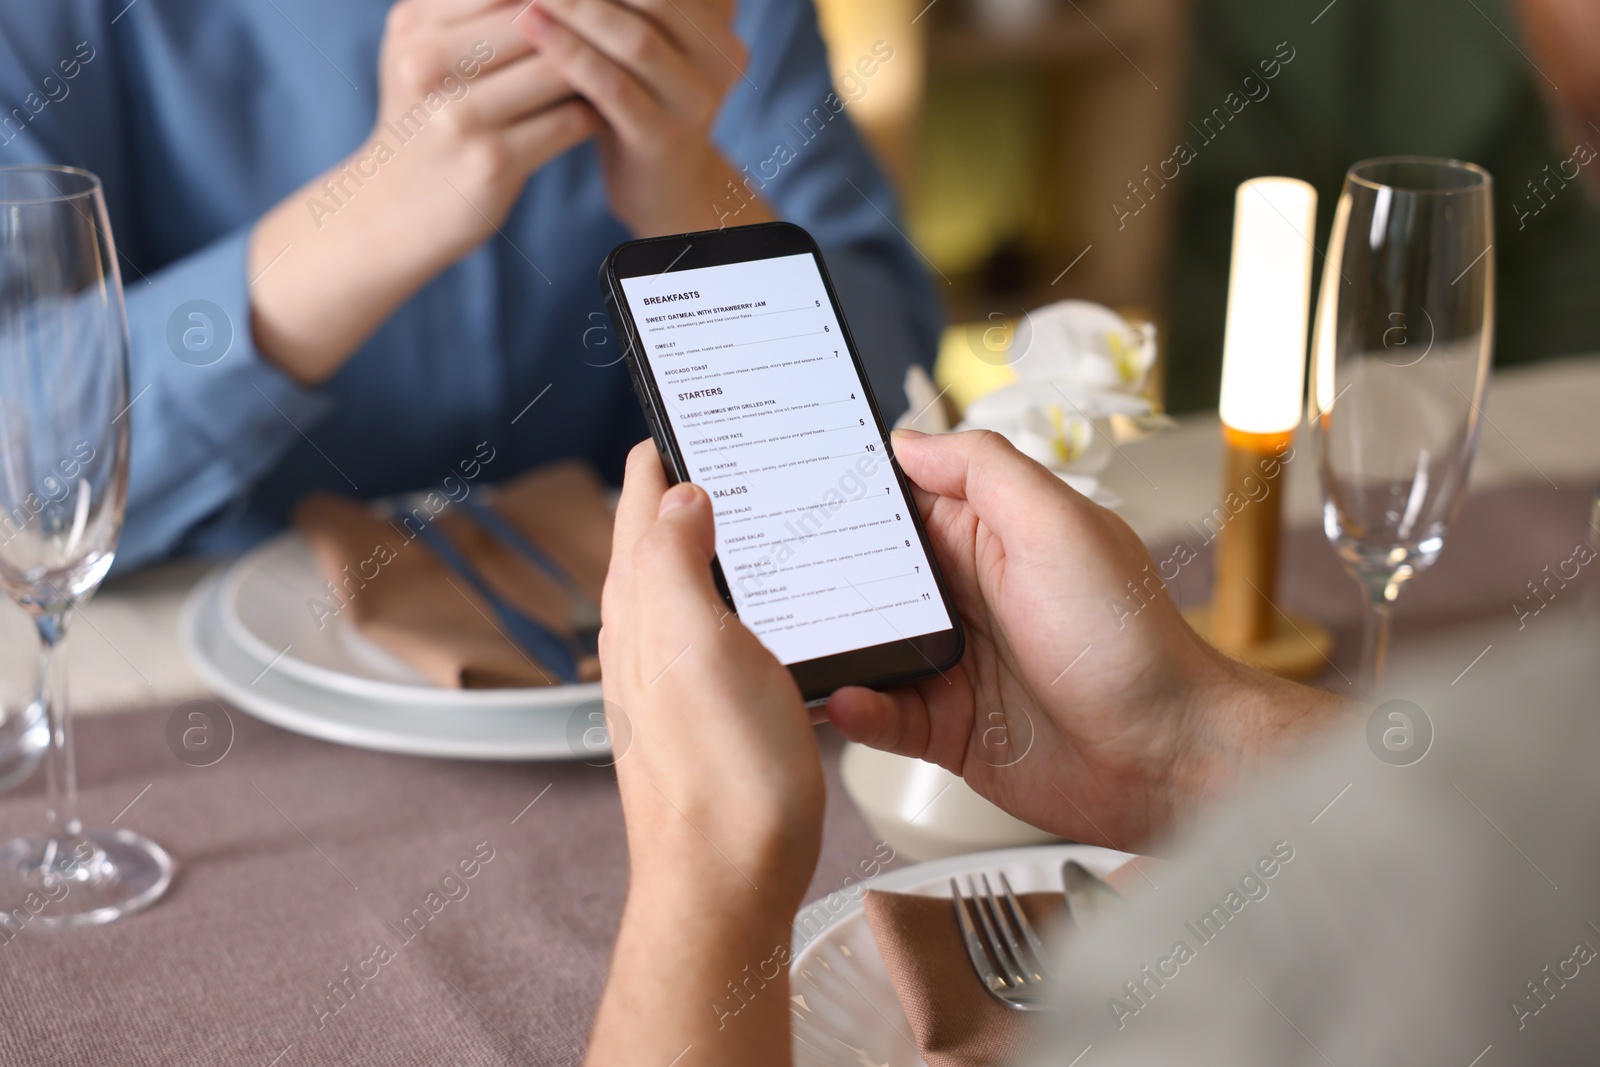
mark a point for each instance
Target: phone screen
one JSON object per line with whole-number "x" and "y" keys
{"x": 814, "y": 535}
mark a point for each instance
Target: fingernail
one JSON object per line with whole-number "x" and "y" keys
{"x": 680, "y": 495}
{"x": 908, "y": 434}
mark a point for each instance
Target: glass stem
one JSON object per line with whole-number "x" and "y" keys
{"x": 61, "y": 778}
{"x": 1374, "y": 634}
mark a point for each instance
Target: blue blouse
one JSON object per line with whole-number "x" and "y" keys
{"x": 200, "y": 115}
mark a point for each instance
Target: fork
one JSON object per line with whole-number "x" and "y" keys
{"x": 1005, "y": 952}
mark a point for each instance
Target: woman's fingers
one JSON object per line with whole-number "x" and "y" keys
{"x": 633, "y": 42}
{"x": 436, "y": 43}
{"x": 519, "y": 91}
{"x": 456, "y": 10}
{"x": 703, "y": 30}
{"x": 488, "y": 32}
{"x": 535, "y": 141}
{"x": 622, "y": 99}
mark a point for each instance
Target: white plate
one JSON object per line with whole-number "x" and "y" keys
{"x": 850, "y": 1015}
{"x": 418, "y": 727}
{"x": 264, "y": 604}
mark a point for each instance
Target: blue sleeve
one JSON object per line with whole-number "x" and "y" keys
{"x": 790, "y": 135}
{"x": 203, "y": 428}
{"x": 203, "y": 432}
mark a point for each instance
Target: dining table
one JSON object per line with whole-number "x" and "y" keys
{"x": 322, "y": 913}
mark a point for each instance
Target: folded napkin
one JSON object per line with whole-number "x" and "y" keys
{"x": 385, "y": 579}
{"x": 956, "y": 1022}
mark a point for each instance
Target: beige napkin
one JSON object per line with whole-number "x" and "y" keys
{"x": 400, "y": 595}
{"x": 954, "y": 1019}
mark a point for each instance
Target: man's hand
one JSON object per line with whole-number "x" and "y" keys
{"x": 722, "y": 792}
{"x": 721, "y": 782}
{"x": 1074, "y": 709}
{"x": 657, "y": 72}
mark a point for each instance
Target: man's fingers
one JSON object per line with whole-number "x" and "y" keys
{"x": 1003, "y": 486}
{"x": 930, "y": 720}
{"x": 643, "y": 485}
{"x": 675, "y": 601}
{"x": 959, "y": 464}
{"x": 895, "y": 721}
{"x": 674, "y": 554}
{"x": 923, "y": 499}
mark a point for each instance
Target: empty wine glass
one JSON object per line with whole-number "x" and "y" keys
{"x": 1400, "y": 357}
{"x": 24, "y": 729}
{"x": 63, "y": 485}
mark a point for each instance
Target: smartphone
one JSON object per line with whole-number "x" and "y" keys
{"x": 754, "y": 390}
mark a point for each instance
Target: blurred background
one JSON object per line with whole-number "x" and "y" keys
{"x": 1054, "y": 149}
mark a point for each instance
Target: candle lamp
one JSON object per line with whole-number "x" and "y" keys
{"x": 1263, "y": 384}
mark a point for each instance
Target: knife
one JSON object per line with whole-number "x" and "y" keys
{"x": 1089, "y": 899}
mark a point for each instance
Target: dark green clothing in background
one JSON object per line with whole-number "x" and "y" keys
{"x": 1372, "y": 78}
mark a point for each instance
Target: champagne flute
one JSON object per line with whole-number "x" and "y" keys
{"x": 24, "y": 731}
{"x": 1400, "y": 357}
{"x": 63, "y": 486}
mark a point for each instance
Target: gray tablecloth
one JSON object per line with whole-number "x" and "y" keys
{"x": 1502, "y": 541}
{"x": 298, "y": 858}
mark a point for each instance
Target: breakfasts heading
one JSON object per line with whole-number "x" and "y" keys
{"x": 668, "y": 298}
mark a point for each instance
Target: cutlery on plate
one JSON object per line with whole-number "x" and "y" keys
{"x": 586, "y": 613}
{"x": 585, "y": 619}
{"x": 1001, "y": 943}
{"x": 1089, "y": 898}
{"x": 560, "y": 654}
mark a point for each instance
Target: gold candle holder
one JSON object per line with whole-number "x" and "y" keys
{"x": 1263, "y": 382}
{"x": 1243, "y": 618}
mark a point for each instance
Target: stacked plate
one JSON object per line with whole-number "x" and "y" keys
{"x": 252, "y": 634}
